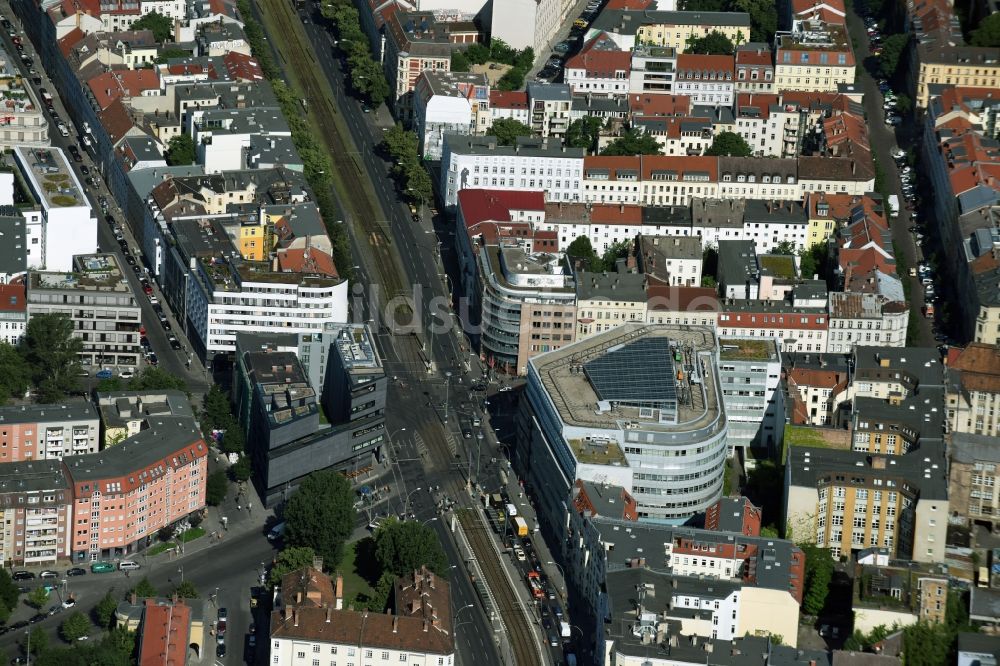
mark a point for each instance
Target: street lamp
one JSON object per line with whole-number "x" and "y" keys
{"x": 447, "y": 386}
{"x": 430, "y": 520}
{"x": 180, "y": 570}
{"x": 561, "y": 573}
{"x": 406, "y": 502}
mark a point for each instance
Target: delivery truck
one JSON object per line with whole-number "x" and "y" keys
{"x": 893, "y": 205}
{"x": 520, "y": 526}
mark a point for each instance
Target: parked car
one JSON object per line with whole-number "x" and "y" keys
{"x": 104, "y": 373}
{"x": 48, "y": 573}
{"x": 23, "y": 575}
{"x": 76, "y": 571}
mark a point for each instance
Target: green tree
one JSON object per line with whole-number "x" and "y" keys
{"x": 769, "y": 532}
{"x": 477, "y": 54}
{"x": 15, "y": 375}
{"x": 615, "y": 251}
{"x": 215, "y": 410}
{"x": 893, "y": 48}
{"x": 39, "y": 639}
{"x": 232, "y": 439}
{"x": 320, "y": 514}
{"x": 818, "y": 574}
{"x": 109, "y": 385}
{"x": 186, "y": 590}
{"x": 583, "y": 133}
{"x": 581, "y": 249}
{"x": 156, "y": 379}
{"x": 162, "y": 26}
{"x": 708, "y": 282}
{"x": 729, "y": 143}
{"x": 459, "y": 63}
{"x": 216, "y": 488}
{"x": 37, "y": 597}
{"x": 402, "y": 546}
{"x": 926, "y": 644}
{"x": 9, "y": 593}
{"x": 904, "y": 104}
{"x": 144, "y": 590}
{"x": 290, "y": 559}
{"x": 400, "y": 142}
{"x": 634, "y": 142}
{"x": 104, "y": 611}
{"x": 52, "y": 355}
{"x": 166, "y": 55}
{"x": 241, "y": 469}
{"x": 763, "y": 18}
{"x": 181, "y": 150}
{"x": 502, "y": 52}
{"x": 813, "y": 261}
{"x": 784, "y": 247}
{"x": 714, "y": 43}
{"x": 419, "y": 187}
{"x": 506, "y": 130}
{"x": 73, "y": 627}
{"x": 513, "y": 79}
{"x": 383, "y": 589}
{"x": 987, "y": 33}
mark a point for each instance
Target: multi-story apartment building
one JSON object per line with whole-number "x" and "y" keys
{"x": 951, "y": 63}
{"x": 607, "y": 300}
{"x": 771, "y": 128}
{"x": 124, "y": 495}
{"x": 48, "y": 432}
{"x": 550, "y": 105}
{"x": 973, "y": 483}
{"x": 653, "y": 70}
{"x": 24, "y": 122}
{"x": 709, "y": 80}
{"x": 98, "y": 299}
{"x": 813, "y": 56}
{"x": 226, "y": 298}
{"x": 449, "y": 102}
{"x": 616, "y": 408}
{"x": 509, "y": 104}
{"x": 754, "y": 69}
{"x": 37, "y": 512}
{"x": 523, "y": 23}
{"x": 66, "y": 224}
{"x": 974, "y": 389}
{"x": 531, "y": 164}
{"x": 750, "y": 375}
{"x": 309, "y": 618}
{"x": 670, "y": 260}
{"x": 416, "y": 41}
{"x": 678, "y": 135}
{"x": 865, "y": 319}
{"x": 711, "y": 584}
{"x": 599, "y": 69}
{"x": 13, "y": 312}
{"x": 124, "y": 413}
{"x": 631, "y": 28}
{"x": 793, "y": 328}
{"x": 890, "y": 490}
{"x": 816, "y": 385}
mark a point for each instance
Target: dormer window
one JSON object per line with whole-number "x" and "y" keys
{"x": 767, "y": 179}
{"x": 741, "y": 178}
{"x": 751, "y": 179}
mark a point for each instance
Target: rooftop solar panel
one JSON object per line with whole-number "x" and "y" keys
{"x": 640, "y": 372}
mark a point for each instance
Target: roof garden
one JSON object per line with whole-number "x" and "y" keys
{"x": 746, "y": 350}
{"x": 778, "y": 265}
{"x": 598, "y": 452}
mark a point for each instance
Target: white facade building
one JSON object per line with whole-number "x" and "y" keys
{"x": 708, "y": 80}
{"x": 531, "y": 164}
{"x": 224, "y": 300}
{"x": 523, "y": 23}
{"x": 66, "y": 225}
{"x": 865, "y": 320}
{"x": 653, "y": 70}
{"x": 449, "y": 103}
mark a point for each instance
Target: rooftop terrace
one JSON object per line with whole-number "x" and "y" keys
{"x": 94, "y": 272}
{"x": 747, "y": 350}
{"x": 51, "y": 179}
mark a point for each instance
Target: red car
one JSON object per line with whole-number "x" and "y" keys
{"x": 147, "y": 289}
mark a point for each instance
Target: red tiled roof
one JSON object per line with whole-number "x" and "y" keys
{"x": 681, "y": 164}
{"x": 306, "y": 260}
{"x": 479, "y": 207}
{"x": 615, "y": 214}
{"x": 601, "y": 64}
{"x": 69, "y": 40}
{"x": 116, "y": 121}
{"x": 109, "y": 86}
{"x": 760, "y": 102}
{"x": 90, "y": 7}
{"x": 815, "y": 57}
{"x": 659, "y": 105}
{"x": 843, "y": 127}
{"x": 749, "y": 57}
{"x": 681, "y": 299}
{"x": 840, "y": 205}
{"x": 242, "y": 67}
{"x": 164, "y": 633}
{"x": 12, "y": 297}
{"x": 508, "y": 99}
{"x": 636, "y": 5}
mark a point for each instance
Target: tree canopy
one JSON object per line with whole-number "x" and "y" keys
{"x": 52, "y": 356}
{"x": 73, "y": 627}
{"x": 290, "y": 559}
{"x": 818, "y": 574}
{"x": 634, "y": 142}
{"x": 893, "y": 48}
{"x": 459, "y": 62}
{"x": 216, "y": 488}
{"x": 186, "y": 590}
{"x": 144, "y": 589}
{"x": 242, "y": 469}
{"x": 506, "y": 130}
{"x": 583, "y": 133}
{"x": 162, "y": 26}
{"x": 404, "y": 546}
{"x": 15, "y": 375}
{"x": 729, "y": 143}
{"x": 714, "y": 43}
{"x": 320, "y": 514}
{"x": 181, "y": 150}
{"x": 987, "y": 33}
{"x": 104, "y": 611}
{"x": 156, "y": 379}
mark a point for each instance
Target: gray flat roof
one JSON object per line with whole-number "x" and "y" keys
{"x": 165, "y": 436}
{"x": 58, "y": 412}
{"x": 32, "y": 476}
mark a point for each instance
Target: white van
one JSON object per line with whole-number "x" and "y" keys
{"x": 128, "y": 565}
{"x": 63, "y": 130}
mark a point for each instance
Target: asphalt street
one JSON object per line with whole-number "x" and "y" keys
{"x": 170, "y": 360}
{"x": 884, "y": 138}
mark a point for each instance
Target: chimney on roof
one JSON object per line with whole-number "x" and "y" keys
{"x": 338, "y": 590}
{"x": 426, "y": 626}
{"x": 329, "y": 614}
{"x": 295, "y": 617}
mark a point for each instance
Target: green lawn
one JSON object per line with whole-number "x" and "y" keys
{"x": 160, "y": 548}
{"x": 355, "y": 585}
{"x": 192, "y": 534}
